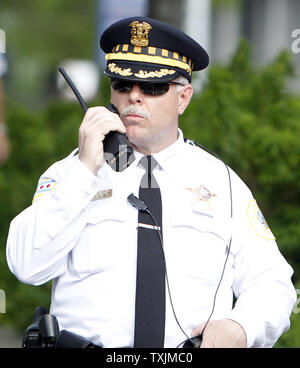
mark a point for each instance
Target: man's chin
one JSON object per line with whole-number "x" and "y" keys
{"x": 134, "y": 132}
{"x": 138, "y": 142}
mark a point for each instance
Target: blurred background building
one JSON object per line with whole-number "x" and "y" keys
{"x": 71, "y": 30}
{"x": 218, "y": 25}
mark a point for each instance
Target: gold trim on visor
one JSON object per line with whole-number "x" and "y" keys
{"x": 115, "y": 69}
{"x": 154, "y": 74}
{"x": 141, "y": 74}
{"x": 149, "y": 59}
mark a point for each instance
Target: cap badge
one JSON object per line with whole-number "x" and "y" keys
{"x": 139, "y": 33}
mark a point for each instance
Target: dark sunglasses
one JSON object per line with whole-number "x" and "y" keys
{"x": 148, "y": 88}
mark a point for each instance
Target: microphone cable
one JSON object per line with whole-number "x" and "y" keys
{"x": 196, "y": 144}
{"x": 141, "y": 206}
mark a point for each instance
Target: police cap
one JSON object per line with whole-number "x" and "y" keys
{"x": 145, "y": 49}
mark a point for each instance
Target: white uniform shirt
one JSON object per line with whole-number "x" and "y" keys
{"x": 88, "y": 247}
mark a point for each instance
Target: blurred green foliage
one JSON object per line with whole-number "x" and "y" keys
{"x": 246, "y": 115}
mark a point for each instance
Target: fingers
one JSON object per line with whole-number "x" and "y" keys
{"x": 224, "y": 333}
{"x": 97, "y": 123}
{"x": 100, "y": 120}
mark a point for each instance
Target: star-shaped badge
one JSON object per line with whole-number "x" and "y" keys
{"x": 201, "y": 193}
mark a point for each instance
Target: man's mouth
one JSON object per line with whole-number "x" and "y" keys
{"x": 135, "y": 116}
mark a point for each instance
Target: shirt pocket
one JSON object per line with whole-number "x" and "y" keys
{"x": 200, "y": 243}
{"x": 105, "y": 240}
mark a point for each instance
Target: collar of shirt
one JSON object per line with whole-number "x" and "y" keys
{"x": 164, "y": 157}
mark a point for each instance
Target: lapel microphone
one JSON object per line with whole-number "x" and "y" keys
{"x": 137, "y": 203}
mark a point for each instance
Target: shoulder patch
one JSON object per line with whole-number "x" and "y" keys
{"x": 45, "y": 185}
{"x": 258, "y": 222}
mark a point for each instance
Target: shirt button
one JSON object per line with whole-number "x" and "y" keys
{"x": 65, "y": 217}
{"x": 94, "y": 185}
{"x": 85, "y": 195}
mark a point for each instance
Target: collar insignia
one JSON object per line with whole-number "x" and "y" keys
{"x": 139, "y": 33}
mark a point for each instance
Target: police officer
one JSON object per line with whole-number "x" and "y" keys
{"x": 82, "y": 232}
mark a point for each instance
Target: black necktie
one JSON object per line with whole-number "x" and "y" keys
{"x": 150, "y": 284}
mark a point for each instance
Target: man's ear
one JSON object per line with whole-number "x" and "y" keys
{"x": 184, "y": 96}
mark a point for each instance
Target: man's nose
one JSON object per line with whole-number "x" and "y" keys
{"x": 136, "y": 95}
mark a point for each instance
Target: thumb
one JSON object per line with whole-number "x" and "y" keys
{"x": 198, "y": 329}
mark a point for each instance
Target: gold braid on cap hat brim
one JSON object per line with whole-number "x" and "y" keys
{"x": 145, "y": 54}
{"x": 141, "y": 74}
